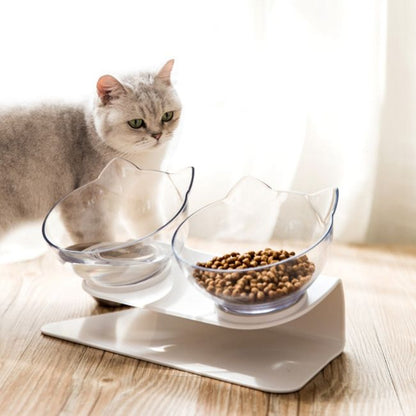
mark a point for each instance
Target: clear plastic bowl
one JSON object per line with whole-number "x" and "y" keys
{"x": 251, "y": 218}
{"x": 117, "y": 229}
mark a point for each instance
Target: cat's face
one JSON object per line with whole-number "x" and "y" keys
{"x": 137, "y": 113}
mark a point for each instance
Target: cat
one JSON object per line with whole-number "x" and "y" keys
{"x": 47, "y": 151}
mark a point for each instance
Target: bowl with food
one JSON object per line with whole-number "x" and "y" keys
{"x": 258, "y": 249}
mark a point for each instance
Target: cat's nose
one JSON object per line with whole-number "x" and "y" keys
{"x": 156, "y": 136}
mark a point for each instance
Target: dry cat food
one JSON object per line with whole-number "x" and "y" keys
{"x": 254, "y": 286}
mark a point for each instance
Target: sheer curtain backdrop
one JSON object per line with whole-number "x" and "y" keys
{"x": 302, "y": 94}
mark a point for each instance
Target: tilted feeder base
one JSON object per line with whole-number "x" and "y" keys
{"x": 276, "y": 353}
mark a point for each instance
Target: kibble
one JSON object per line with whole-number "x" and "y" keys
{"x": 254, "y": 286}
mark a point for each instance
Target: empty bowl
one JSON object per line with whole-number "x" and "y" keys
{"x": 117, "y": 229}
{"x": 258, "y": 249}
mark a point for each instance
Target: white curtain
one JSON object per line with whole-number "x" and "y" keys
{"x": 302, "y": 94}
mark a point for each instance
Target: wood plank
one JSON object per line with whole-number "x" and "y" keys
{"x": 392, "y": 295}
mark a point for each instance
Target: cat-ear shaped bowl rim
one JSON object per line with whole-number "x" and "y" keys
{"x": 130, "y": 242}
{"x": 259, "y": 183}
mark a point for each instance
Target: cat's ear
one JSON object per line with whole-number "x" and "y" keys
{"x": 108, "y": 88}
{"x": 164, "y": 74}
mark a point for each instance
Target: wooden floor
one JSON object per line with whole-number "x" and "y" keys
{"x": 376, "y": 375}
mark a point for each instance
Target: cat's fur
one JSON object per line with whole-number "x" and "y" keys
{"x": 47, "y": 151}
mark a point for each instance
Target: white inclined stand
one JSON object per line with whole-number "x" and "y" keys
{"x": 173, "y": 324}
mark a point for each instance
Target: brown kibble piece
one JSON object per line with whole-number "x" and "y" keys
{"x": 260, "y": 296}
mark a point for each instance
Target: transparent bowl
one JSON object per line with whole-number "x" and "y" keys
{"x": 286, "y": 236}
{"x": 117, "y": 229}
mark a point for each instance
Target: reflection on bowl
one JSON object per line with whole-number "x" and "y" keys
{"x": 116, "y": 230}
{"x": 257, "y": 250}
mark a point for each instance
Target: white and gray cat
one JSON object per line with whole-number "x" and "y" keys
{"x": 48, "y": 151}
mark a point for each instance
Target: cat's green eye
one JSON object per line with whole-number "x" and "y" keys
{"x": 136, "y": 123}
{"x": 167, "y": 116}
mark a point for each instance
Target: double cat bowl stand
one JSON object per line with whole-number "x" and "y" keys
{"x": 172, "y": 324}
